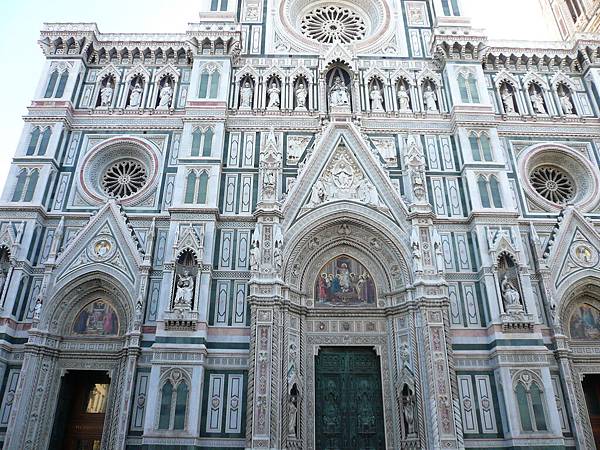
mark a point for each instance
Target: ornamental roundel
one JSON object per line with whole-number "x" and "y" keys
{"x": 123, "y": 168}
{"x": 102, "y": 248}
{"x": 345, "y": 282}
{"x": 584, "y": 254}
{"x": 553, "y": 184}
{"x": 331, "y": 23}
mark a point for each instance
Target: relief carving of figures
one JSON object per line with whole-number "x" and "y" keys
{"x": 376, "y": 99}
{"x": 387, "y": 150}
{"x": 343, "y": 179}
{"x": 565, "y": 101}
{"x": 301, "y": 95}
{"x": 404, "y": 99}
{"x": 246, "y": 96}
{"x": 537, "y": 100}
{"x": 166, "y": 95}
{"x": 185, "y": 291}
{"x": 430, "y": 99}
{"x": 274, "y": 97}
{"x": 339, "y": 95}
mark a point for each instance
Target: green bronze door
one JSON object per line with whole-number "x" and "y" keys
{"x": 348, "y": 401}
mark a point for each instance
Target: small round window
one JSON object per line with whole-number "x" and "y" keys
{"x": 124, "y": 179}
{"x": 553, "y": 184}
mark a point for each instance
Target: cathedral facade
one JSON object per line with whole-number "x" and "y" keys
{"x": 304, "y": 224}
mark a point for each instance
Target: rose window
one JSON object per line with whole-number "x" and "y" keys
{"x": 552, "y": 184}
{"x": 328, "y": 24}
{"x": 124, "y": 179}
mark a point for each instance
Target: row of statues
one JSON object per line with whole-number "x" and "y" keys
{"x": 274, "y": 97}
{"x": 536, "y": 96}
{"x": 164, "y": 101}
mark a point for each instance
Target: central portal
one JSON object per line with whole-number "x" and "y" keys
{"x": 349, "y": 407}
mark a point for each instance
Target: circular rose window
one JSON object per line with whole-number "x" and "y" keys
{"x": 328, "y": 24}
{"x": 553, "y": 184}
{"x": 124, "y": 179}
{"x": 123, "y": 168}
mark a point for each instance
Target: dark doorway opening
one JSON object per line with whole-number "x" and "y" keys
{"x": 349, "y": 405}
{"x": 591, "y": 388}
{"x": 82, "y": 402}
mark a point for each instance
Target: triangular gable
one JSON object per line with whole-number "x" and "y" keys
{"x": 342, "y": 158}
{"x": 107, "y": 240}
{"x": 576, "y": 247}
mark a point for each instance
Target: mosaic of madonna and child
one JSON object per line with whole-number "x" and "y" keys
{"x": 585, "y": 323}
{"x": 98, "y": 318}
{"x": 344, "y": 281}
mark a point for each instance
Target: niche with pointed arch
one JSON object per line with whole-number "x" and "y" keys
{"x": 97, "y": 318}
{"x": 344, "y": 281}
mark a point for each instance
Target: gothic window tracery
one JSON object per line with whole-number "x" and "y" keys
{"x": 481, "y": 146}
{"x": 38, "y": 143}
{"x": 489, "y": 191}
{"x": 174, "y": 394}
{"x": 25, "y": 186}
{"x": 553, "y": 184}
{"x": 333, "y": 23}
{"x": 57, "y": 83}
{"x": 196, "y": 187}
{"x": 124, "y": 178}
{"x": 202, "y": 139}
{"x": 529, "y": 396}
{"x": 468, "y": 88}
{"x": 210, "y": 78}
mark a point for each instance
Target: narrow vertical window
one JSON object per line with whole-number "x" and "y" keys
{"x": 190, "y": 189}
{"x": 20, "y": 186}
{"x": 196, "y": 140}
{"x": 446, "y": 7}
{"x": 462, "y": 87}
{"x": 62, "y": 83}
{"x": 538, "y": 407}
{"x": 214, "y": 5}
{"x": 51, "y": 84}
{"x": 486, "y": 147}
{"x": 164, "y": 420}
{"x": 204, "y": 78}
{"x": 208, "y": 141}
{"x": 203, "y": 188}
{"x": 214, "y": 84}
{"x": 473, "y": 89}
{"x": 495, "y": 190}
{"x": 522, "y": 401}
{"x": 483, "y": 192}
{"x": 33, "y": 142}
{"x": 474, "y": 141}
{"x": 180, "y": 406}
{"x": 224, "y": 5}
{"x": 33, "y": 179}
{"x": 45, "y": 141}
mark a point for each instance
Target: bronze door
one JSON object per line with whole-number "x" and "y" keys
{"x": 349, "y": 407}
{"x": 591, "y": 387}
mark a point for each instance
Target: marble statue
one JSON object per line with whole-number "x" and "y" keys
{"x": 376, "y": 99}
{"x": 292, "y": 416}
{"x": 166, "y": 95}
{"x": 508, "y": 100}
{"x": 274, "y": 97}
{"x": 255, "y": 256}
{"x": 139, "y": 311}
{"x": 37, "y": 309}
{"x": 106, "y": 95}
{"x": 277, "y": 258}
{"x": 509, "y": 293}
{"x": 409, "y": 413}
{"x": 318, "y": 195}
{"x": 537, "y": 101}
{"x": 185, "y": 290}
{"x": 246, "y": 95}
{"x": 565, "y": 102}
{"x": 430, "y": 99}
{"x": 301, "y": 95}
{"x": 135, "y": 100}
{"x": 439, "y": 251}
{"x": 404, "y": 99}
{"x": 339, "y": 94}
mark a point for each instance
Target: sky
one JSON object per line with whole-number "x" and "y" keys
{"x": 21, "y": 21}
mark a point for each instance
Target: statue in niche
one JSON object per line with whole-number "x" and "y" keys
{"x": 274, "y": 97}
{"x": 430, "y": 99}
{"x": 166, "y": 95}
{"x": 537, "y": 100}
{"x": 301, "y": 95}
{"x": 106, "y": 95}
{"x": 339, "y": 95}
{"x": 404, "y": 99}
{"x": 185, "y": 291}
{"x": 37, "y": 309}
{"x": 408, "y": 410}
{"x": 508, "y": 99}
{"x": 416, "y": 251}
{"x": 255, "y": 256}
{"x": 277, "y": 257}
{"x": 376, "y": 99}
{"x": 139, "y": 311}
{"x": 439, "y": 251}
{"x": 510, "y": 294}
{"x": 565, "y": 101}
{"x": 135, "y": 100}
{"x": 246, "y": 95}
{"x": 293, "y": 412}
